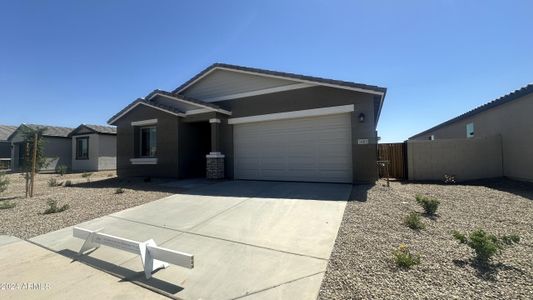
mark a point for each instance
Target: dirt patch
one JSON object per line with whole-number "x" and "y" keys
{"x": 88, "y": 198}
{"x": 361, "y": 265}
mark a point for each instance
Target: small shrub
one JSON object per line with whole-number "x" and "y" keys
{"x": 484, "y": 244}
{"x": 449, "y": 179}
{"x": 68, "y": 183}
{"x": 4, "y": 182}
{"x": 110, "y": 175}
{"x": 61, "y": 170}
{"x": 119, "y": 190}
{"x": 430, "y": 205}
{"x": 404, "y": 258}
{"x": 413, "y": 221}
{"x": 52, "y": 182}
{"x": 54, "y": 208}
{"x": 7, "y": 204}
{"x": 87, "y": 175}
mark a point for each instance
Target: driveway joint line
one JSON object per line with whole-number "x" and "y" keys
{"x": 220, "y": 213}
{"x": 277, "y": 285}
{"x": 222, "y": 239}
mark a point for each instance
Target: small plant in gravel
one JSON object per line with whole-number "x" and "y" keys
{"x": 4, "y": 182}
{"x": 413, "y": 221}
{"x": 119, "y": 190}
{"x": 484, "y": 244}
{"x": 404, "y": 258}
{"x": 449, "y": 179}
{"x": 68, "y": 183}
{"x": 61, "y": 170}
{"x": 430, "y": 205}
{"x": 7, "y": 204}
{"x": 53, "y": 182}
{"x": 110, "y": 175}
{"x": 53, "y": 208}
{"x": 87, "y": 175}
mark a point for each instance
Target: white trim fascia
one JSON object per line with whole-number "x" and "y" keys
{"x": 192, "y": 103}
{"x": 285, "y": 78}
{"x": 144, "y": 161}
{"x": 283, "y": 88}
{"x": 295, "y": 114}
{"x": 197, "y": 111}
{"x": 144, "y": 122}
{"x": 146, "y": 104}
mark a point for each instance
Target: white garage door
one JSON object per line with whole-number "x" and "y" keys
{"x": 302, "y": 149}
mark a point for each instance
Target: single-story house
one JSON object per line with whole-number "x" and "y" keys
{"x": 57, "y": 146}
{"x": 509, "y": 117}
{"x": 94, "y": 148}
{"x": 245, "y": 123}
{"x": 5, "y": 145}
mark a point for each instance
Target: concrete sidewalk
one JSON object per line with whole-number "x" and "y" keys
{"x": 31, "y": 272}
{"x": 250, "y": 239}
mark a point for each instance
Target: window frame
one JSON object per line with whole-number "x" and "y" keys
{"x": 468, "y": 131}
{"x": 78, "y": 157}
{"x": 141, "y": 141}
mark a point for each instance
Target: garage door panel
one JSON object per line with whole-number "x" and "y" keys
{"x": 304, "y": 149}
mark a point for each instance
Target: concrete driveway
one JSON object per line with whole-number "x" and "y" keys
{"x": 250, "y": 239}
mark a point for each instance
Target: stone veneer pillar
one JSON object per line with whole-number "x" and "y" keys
{"x": 215, "y": 165}
{"x": 215, "y": 159}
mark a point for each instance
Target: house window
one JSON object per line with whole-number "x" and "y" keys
{"x": 470, "y": 130}
{"x": 432, "y": 137}
{"x": 82, "y": 148}
{"x": 148, "y": 141}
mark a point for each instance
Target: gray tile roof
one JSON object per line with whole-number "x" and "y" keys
{"x": 526, "y": 90}
{"x": 6, "y": 131}
{"x": 56, "y": 131}
{"x": 95, "y": 129}
{"x": 102, "y": 129}
{"x": 282, "y": 74}
{"x": 164, "y": 107}
{"x": 140, "y": 100}
{"x": 182, "y": 97}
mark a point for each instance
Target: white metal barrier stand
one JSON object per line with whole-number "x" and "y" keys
{"x": 153, "y": 257}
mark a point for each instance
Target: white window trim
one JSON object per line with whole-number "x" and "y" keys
{"x": 144, "y": 122}
{"x": 141, "y": 140}
{"x": 295, "y": 114}
{"x": 144, "y": 161}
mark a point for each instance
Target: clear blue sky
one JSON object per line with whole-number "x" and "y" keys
{"x": 72, "y": 62}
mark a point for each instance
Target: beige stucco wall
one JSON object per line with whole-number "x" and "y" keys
{"x": 466, "y": 159}
{"x": 102, "y": 153}
{"x": 107, "y": 159}
{"x": 56, "y": 150}
{"x": 514, "y": 122}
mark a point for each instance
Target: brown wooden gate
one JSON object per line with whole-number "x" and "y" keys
{"x": 396, "y": 155}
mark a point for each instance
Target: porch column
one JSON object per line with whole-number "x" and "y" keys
{"x": 215, "y": 159}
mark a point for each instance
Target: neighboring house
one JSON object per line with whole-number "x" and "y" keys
{"x": 510, "y": 117}
{"x": 57, "y": 146}
{"x": 245, "y": 123}
{"x": 94, "y": 148}
{"x": 5, "y": 145}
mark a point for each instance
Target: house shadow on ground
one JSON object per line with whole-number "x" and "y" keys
{"x": 125, "y": 275}
{"x": 237, "y": 188}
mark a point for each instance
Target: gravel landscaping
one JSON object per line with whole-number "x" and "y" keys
{"x": 362, "y": 265}
{"x": 87, "y": 199}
